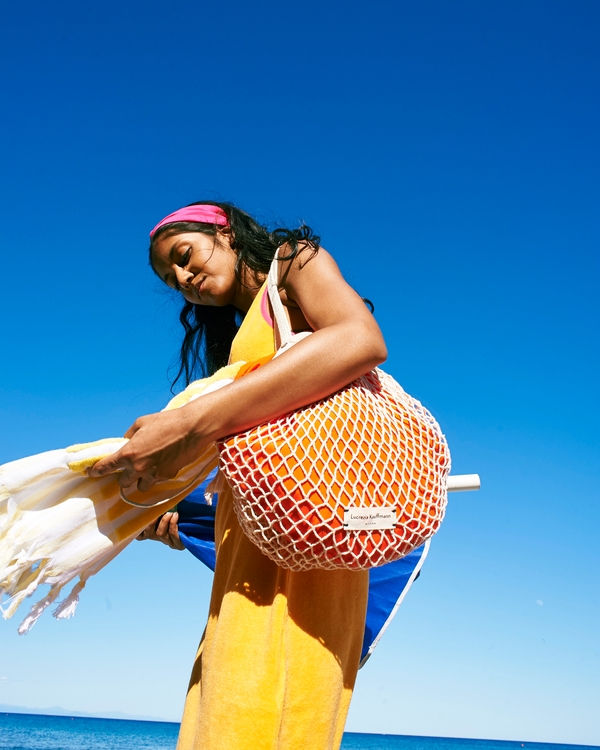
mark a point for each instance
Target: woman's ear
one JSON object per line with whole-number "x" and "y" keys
{"x": 226, "y": 234}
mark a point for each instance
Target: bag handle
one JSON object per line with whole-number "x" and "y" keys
{"x": 183, "y": 491}
{"x": 281, "y": 319}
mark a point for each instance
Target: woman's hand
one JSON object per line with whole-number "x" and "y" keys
{"x": 165, "y": 530}
{"x": 159, "y": 446}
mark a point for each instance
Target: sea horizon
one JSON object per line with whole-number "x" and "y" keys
{"x": 23, "y": 722}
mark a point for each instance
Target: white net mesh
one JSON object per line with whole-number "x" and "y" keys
{"x": 370, "y": 445}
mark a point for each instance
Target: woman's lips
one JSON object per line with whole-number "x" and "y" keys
{"x": 198, "y": 285}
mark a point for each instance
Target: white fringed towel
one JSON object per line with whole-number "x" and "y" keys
{"x": 56, "y": 523}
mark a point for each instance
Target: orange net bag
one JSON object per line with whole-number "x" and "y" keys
{"x": 356, "y": 480}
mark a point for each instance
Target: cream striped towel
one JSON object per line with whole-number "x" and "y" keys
{"x": 56, "y": 523}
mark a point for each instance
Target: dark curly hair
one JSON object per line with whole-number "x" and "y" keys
{"x": 209, "y": 331}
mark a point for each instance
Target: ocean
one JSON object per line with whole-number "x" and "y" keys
{"x": 37, "y": 732}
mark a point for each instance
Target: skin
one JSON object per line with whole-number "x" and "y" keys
{"x": 346, "y": 343}
{"x": 165, "y": 530}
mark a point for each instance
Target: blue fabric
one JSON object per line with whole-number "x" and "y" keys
{"x": 386, "y": 584}
{"x": 197, "y": 524}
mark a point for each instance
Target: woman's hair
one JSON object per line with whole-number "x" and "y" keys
{"x": 209, "y": 331}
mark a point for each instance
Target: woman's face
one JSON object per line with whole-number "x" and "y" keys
{"x": 200, "y": 266}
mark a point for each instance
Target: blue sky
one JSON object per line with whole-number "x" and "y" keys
{"x": 448, "y": 154}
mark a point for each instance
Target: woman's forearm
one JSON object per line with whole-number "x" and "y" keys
{"x": 314, "y": 368}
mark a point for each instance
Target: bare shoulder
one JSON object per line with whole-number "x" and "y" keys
{"x": 306, "y": 267}
{"x": 313, "y": 283}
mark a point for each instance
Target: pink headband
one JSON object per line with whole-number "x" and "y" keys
{"x": 203, "y": 213}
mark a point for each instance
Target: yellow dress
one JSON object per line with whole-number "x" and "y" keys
{"x": 278, "y": 659}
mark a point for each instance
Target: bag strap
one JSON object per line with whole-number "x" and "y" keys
{"x": 281, "y": 319}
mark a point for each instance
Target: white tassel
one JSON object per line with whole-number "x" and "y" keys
{"x": 67, "y": 607}
{"x": 37, "y": 610}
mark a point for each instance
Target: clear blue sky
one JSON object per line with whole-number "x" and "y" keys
{"x": 448, "y": 154}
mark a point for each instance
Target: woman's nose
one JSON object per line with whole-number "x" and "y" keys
{"x": 183, "y": 277}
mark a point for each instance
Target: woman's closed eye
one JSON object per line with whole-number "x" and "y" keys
{"x": 184, "y": 260}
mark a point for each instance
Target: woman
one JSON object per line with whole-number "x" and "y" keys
{"x": 277, "y": 663}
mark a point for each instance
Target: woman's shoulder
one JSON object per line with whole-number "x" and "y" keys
{"x": 307, "y": 268}
{"x": 305, "y": 260}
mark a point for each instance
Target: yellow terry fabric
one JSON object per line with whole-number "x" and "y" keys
{"x": 277, "y": 663}
{"x": 254, "y": 340}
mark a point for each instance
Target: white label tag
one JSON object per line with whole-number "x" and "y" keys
{"x": 370, "y": 518}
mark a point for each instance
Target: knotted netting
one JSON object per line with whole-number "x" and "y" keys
{"x": 370, "y": 450}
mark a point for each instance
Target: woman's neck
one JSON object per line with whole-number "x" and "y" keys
{"x": 249, "y": 285}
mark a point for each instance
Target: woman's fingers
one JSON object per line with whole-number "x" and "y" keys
{"x": 155, "y": 530}
{"x": 146, "y": 533}
{"x": 162, "y": 527}
{"x": 167, "y": 530}
{"x": 164, "y": 530}
{"x": 145, "y": 483}
{"x": 137, "y": 425}
{"x": 158, "y": 447}
{"x": 110, "y": 464}
{"x": 174, "y": 531}
{"x": 119, "y": 460}
{"x": 130, "y": 476}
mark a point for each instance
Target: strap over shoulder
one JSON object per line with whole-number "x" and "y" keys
{"x": 281, "y": 319}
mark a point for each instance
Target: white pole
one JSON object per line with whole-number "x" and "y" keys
{"x": 463, "y": 482}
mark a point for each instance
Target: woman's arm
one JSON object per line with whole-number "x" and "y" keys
{"x": 346, "y": 343}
